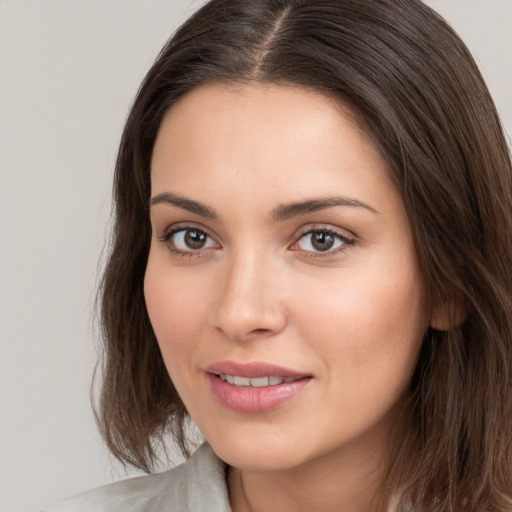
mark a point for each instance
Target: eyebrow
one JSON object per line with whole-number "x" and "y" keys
{"x": 185, "y": 204}
{"x": 278, "y": 214}
{"x": 287, "y": 211}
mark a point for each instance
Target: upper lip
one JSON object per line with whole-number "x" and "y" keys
{"x": 253, "y": 370}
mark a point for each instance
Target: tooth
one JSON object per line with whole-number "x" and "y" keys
{"x": 242, "y": 381}
{"x": 259, "y": 382}
{"x": 255, "y": 382}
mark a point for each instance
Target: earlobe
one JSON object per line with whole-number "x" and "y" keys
{"x": 447, "y": 315}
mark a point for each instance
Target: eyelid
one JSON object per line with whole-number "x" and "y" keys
{"x": 344, "y": 235}
{"x": 348, "y": 238}
{"x": 172, "y": 229}
{"x": 179, "y": 226}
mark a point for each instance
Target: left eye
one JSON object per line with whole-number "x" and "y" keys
{"x": 321, "y": 241}
{"x": 190, "y": 239}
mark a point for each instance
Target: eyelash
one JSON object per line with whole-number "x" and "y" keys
{"x": 343, "y": 238}
{"x": 167, "y": 236}
{"x": 347, "y": 242}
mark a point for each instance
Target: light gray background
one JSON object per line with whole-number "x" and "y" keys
{"x": 68, "y": 72}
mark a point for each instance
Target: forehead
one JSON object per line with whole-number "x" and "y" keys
{"x": 268, "y": 143}
{"x": 274, "y": 103}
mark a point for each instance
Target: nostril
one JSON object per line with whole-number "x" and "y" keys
{"x": 260, "y": 331}
{"x": 240, "y": 335}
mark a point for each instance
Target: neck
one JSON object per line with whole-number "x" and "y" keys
{"x": 338, "y": 481}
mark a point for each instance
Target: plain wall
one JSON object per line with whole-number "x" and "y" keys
{"x": 68, "y": 73}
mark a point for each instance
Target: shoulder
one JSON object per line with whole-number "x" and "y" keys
{"x": 198, "y": 484}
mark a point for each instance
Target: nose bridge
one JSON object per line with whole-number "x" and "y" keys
{"x": 250, "y": 299}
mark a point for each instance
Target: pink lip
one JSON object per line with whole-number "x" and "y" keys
{"x": 249, "y": 400}
{"x": 254, "y": 369}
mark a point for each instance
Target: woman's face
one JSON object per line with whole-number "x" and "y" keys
{"x": 282, "y": 282}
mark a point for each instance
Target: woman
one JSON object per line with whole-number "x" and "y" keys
{"x": 312, "y": 259}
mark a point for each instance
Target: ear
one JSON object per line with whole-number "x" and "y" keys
{"x": 447, "y": 315}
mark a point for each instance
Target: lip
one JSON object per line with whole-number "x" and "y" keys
{"x": 254, "y": 400}
{"x": 254, "y": 369}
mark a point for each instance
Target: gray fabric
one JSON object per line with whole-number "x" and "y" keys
{"x": 197, "y": 485}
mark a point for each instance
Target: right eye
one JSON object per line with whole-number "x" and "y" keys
{"x": 188, "y": 240}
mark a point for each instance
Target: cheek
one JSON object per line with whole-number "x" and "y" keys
{"x": 369, "y": 344}
{"x": 369, "y": 328}
{"x": 175, "y": 310}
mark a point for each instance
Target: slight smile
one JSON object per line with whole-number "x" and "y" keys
{"x": 254, "y": 388}
{"x": 255, "y": 382}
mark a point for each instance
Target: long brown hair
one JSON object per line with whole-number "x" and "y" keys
{"x": 418, "y": 92}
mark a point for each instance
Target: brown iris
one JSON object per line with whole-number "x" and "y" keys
{"x": 322, "y": 240}
{"x": 195, "y": 239}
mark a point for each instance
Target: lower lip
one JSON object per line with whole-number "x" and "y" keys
{"x": 249, "y": 400}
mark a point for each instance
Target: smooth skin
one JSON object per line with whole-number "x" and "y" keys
{"x": 334, "y": 291}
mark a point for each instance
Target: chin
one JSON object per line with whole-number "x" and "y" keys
{"x": 264, "y": 455}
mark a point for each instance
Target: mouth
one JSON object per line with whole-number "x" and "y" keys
{"x": 253, "y": 388}
{"x": 254, "y": 370}
{"x": 255, "y": 382}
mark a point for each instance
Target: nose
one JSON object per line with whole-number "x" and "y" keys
{"x": 250, "y": 302}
